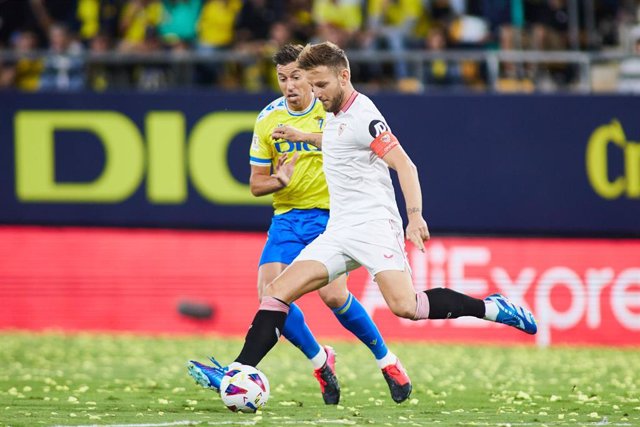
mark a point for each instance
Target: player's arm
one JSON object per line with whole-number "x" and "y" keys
{"x": 292, "y": 134}
{"x": 263, "y": 182}
{"x": 397, "y": 159}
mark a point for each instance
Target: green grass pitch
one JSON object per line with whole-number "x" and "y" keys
{"x": 55, "y": 379}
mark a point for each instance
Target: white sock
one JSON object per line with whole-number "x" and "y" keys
{"x": 490, "y": 311}
{"x": 319, "y": 359}
{"x": 388, "y": 359}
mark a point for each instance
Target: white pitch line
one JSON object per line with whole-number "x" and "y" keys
{"x": 241, "y": 423}
{"x": 167, "y": 424}
{"x": 497, "y": 424}
{"x": 564, "y": 422}
{"x": 173, "y": 423}
{"x": 326, "y": 421}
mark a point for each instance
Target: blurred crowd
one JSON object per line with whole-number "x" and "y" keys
{"x": 57, "y": 44}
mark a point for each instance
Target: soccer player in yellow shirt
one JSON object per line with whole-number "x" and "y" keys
{"x": 286, "y": 164}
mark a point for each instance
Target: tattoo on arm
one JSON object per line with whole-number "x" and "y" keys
{"x": 413, "y": 210}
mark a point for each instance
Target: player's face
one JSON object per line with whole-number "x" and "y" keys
{"x": 328, "y": 86}
{"x": 294, "y": 86}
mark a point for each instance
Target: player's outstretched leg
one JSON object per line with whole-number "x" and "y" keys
{"x": 499, "y": 309}
{"x": 322, "y": 359}
{"x": 443, "y": 303}
{"x": 355, "y": 318}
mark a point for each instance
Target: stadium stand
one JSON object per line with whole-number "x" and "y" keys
{"x": 410, "y": 45}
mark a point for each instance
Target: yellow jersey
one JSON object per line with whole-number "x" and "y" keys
{"x": 308, "y": 187}
{"x": 149, "y": 16}
{"x": 395, "y": 13}
{"x": 344, "y": 14}
{"x": 217, "y": 18}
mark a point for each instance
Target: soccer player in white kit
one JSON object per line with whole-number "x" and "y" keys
{"x": 365, "y": 227}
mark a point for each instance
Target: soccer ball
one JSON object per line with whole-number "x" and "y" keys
{"x": 244, "y": 389}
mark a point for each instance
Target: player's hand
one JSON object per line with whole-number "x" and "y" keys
{"x": 418, "y": 231}
{"x": 284, "y": 170}
{"x": 287, "y": 132}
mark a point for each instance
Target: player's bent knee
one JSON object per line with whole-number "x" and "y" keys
{"x": 403, "y": 309}
{"x": 270, "y": 289}
{"x": 261, "y": 288}
{"x": 333, "y": 296}
{"x": 332, "y": 301}
{"x": 279, "y": 290}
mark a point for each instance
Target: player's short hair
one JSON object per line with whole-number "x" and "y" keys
{"x": 326, "y": 53}
{"x": 287, "y": 54}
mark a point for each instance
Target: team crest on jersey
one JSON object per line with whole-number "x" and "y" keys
{"x": 341, "y": 128}
{"x": 320, "y": 121}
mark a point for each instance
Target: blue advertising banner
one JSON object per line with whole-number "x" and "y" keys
{"x": 554, "y": 165}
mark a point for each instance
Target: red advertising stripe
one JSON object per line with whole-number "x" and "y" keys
{"x": 581, "y": 291}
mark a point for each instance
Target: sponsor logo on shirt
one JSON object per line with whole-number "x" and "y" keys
{"x": 290, "y": 146}
{"x": 377, "y": 127}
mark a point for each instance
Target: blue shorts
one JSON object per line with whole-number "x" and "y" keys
{"x": 290, "y": 232}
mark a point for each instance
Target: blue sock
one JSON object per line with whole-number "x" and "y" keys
{"x": 355, "y": 318}
{"x": 297, "y": 331}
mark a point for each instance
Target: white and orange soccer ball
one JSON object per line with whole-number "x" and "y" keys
{"x": 244, "y": 389}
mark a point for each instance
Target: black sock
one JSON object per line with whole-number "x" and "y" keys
{"x": 448, "y": 304}
{"x": 262, "y": 336}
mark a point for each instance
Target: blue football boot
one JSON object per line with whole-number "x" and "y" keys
{"x": 207, "y": 376}
{"x": 513, "y": 315}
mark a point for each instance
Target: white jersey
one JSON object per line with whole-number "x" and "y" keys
{"x": 354, "y": 141}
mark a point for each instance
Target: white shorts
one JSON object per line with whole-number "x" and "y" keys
{"x": 377, "y": 245}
